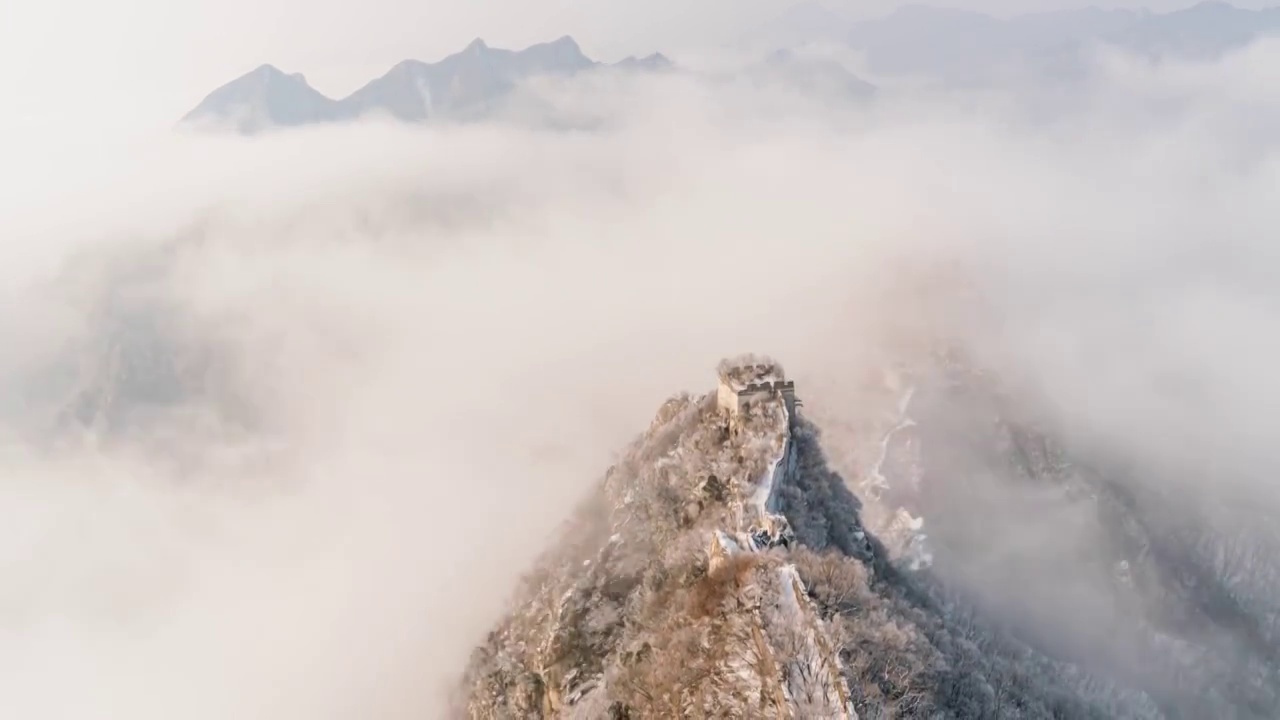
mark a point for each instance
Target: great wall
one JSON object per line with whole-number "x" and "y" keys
{"x": 760, "y": 527}
{"x": 695, "y": 541}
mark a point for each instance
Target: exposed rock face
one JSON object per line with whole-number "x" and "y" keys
{"x": 770, "y": 601}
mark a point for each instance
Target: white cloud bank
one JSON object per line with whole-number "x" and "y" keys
{"x": 424, "y": 343}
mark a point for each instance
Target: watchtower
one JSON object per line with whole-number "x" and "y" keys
{"x": 750, "y": 381}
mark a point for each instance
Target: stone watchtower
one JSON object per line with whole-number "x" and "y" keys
{"x": 748, "y": 381}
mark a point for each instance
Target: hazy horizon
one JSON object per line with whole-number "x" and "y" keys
{"x": 137, "y": 65}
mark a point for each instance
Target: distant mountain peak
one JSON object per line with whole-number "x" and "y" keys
{"x": 404, "y": 66}
{"x": 261, "y": 98}
{"x": 651, "y": 62}
{"x": 562, "y": 47}
{"x": 465, "y": 84}
{"x": 968, "y": 48}
{"x": 268, "y": 73}
{"x": 816, "y": 75}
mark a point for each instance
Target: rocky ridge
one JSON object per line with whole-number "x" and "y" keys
{"x": 721, "y": 570}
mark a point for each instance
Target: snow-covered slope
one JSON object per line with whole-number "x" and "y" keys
{"x": 1157, "y": 581}
{"x": 726, "y": 573}
{"x": 1127, "y": 568}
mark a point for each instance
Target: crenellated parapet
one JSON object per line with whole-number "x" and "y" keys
{"x": 733, "y": 397}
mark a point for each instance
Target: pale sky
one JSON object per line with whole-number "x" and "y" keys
{"x": 136, "y": 63}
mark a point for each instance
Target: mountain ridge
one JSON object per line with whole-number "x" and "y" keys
{"x": 925, "y": 39}
{"x": 721, "y": 569}
{"x": 965, "y": 45}
{"x": 469, "y": 81}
